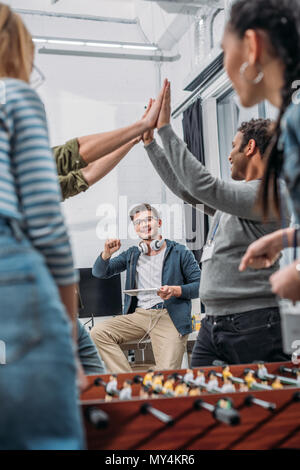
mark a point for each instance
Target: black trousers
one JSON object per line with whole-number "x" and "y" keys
{"x": 240, "y": 338}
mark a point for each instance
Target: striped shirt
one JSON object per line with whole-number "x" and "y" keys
{"x": 29, "y": 190}
{"x": 149, "y": 275}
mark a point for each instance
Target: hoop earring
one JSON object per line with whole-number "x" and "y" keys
{"x": 256, "y": 80}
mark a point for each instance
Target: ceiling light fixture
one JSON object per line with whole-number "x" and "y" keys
{"x": 87, "y": 43}
{"x": 103, "y": 44}
{"x": 71, "y": 43}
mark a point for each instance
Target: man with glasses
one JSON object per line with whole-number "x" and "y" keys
{"x": 166, "y": 276}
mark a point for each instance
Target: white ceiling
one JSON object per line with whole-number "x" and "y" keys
{"x": 155, "y": 24}
{"x": 123, "y": 8}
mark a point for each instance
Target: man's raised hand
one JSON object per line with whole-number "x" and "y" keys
{"x": 151, "y": 117}
{"x": 111, "y": 246}
{"x": 165, "y": 110}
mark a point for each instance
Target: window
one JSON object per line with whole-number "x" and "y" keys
{"x": 230, "y": 115}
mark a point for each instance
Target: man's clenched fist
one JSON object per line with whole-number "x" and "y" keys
{"x": 111, "y": 246}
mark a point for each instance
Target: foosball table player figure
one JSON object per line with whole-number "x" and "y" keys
{"x": 111, "y": 388}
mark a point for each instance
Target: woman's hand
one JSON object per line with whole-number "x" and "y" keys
{"x": 148, "y": 136}
{"x": 286, "y": 282}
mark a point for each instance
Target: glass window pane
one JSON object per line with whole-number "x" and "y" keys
{"x": 271, "y": 111}
{"x": 230, "y": 116}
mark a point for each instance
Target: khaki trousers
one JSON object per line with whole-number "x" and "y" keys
{"x": 167, "y": 344}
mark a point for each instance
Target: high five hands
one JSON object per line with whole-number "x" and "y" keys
{"x": 159, "y": 108}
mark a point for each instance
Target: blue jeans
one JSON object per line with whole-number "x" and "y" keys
{"x": 88, "y": 354}
{"x": 38, "y": 393}
{"x": 240, "y": 338}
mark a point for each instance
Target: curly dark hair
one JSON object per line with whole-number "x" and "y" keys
{"x": 260, "y": 130}
{"x": 280, "y": 20}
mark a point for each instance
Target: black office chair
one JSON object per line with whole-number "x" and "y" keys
{"x": 98, "y": 297}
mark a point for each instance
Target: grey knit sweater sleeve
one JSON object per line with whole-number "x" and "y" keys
{"x": 161, "y": 164}
{"x": 236, "y": 198}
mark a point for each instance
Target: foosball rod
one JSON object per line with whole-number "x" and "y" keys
{"x": 138, "y": 379}
{"x": 284, "y": 380}
{"x": 160, "y": 415}
{"x": 213, "y": 390}
{"x": 203, "y": 385}
{"x": 190, "y": 384}
{"x": 251, "y": 400}
{"x": 288, "y": 370}
{"x": 234, "y": 379}
{"x": 258, "y": 386}
{"x": 96, "y": 383}
{"x": 227, "y": 416}
{"x": 238, "y": 380}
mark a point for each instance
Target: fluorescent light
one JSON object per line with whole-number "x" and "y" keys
{"x": 102, "y": 44}
{"x": 77, "y": 42}
{"x": 145, "y": 48}
{"x": 39, "y": 40}
{"x": 65, "y": 41}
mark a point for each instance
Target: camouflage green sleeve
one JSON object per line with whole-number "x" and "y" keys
{"x": 69, "y": 163}
{"x": 73, "y": 183}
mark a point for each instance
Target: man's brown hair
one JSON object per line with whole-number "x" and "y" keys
{"x": 142, "y": 208}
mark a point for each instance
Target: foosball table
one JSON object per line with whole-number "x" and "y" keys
{"x": 239, "y": 407}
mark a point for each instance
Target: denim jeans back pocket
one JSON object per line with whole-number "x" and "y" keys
{"x": 20, "y": 327}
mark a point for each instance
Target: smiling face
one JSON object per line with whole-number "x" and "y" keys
{"x": 238, "y": 159}
{"x": 146, "y": 225}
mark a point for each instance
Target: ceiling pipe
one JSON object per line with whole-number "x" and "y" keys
{"x": 211, "y": 26}
{"x": 76, "y": 16}
{"x": 108, "y": 55}
{"x": 94, "y": 43}
{"x": 174, "y": 6}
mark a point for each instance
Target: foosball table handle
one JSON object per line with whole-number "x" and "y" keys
{"x": 137, "y": 379}
{"x": 227, "y": 416}
{"x": 160, "y": 415}
{"x": 288, "y": 370}
{"x": 251, "y": 400}
{"x": 98, "y": 382}
{"x": 296, "y": 396}
{"x": 98, "y": 418}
